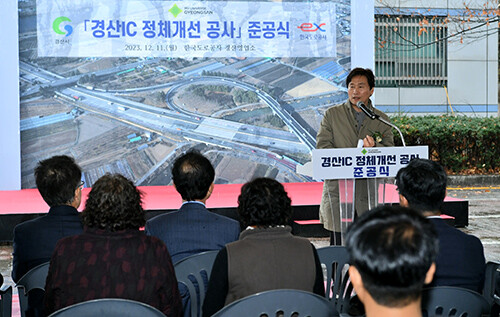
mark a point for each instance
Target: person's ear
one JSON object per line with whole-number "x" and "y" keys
{"x": 357, "y": 282}
{"x": 403, "y": 201}
{"x": 210, "y": 190}
{"x": 77, "y": 198}
{"x": 430, "y": 273}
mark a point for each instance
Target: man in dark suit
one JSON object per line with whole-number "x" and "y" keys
{"x": 460, "y": 261}
{"x": 192, "y": 229}
{"x": 58, "y": 180}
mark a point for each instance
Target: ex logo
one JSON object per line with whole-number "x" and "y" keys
{"x": 311, "y": 27}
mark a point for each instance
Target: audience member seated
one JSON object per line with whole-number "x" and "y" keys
{"x": 192, "y": 229}
{"x": 58, "y": 180}
{"x": 460, "y": 262}
{"x": 392, "y": 252}
{"x": 267, "y": 256}
{"x": 112, "y": 258}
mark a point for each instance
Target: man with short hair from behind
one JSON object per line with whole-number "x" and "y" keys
{"x": 193, "y": 228}
{"x": 460, "y": 261}
{"x": 392, "y": 252}
{"x": 58, "y": 180}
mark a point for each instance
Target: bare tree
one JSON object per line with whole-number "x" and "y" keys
{"x": 466, "y": 24}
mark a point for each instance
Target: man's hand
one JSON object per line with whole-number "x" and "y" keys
{"x": 368, "y": 141}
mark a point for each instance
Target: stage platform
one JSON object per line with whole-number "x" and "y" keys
{"x": 22, "y": 205}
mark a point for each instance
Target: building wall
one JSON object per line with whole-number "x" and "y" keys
{"x": 472, "y": 73}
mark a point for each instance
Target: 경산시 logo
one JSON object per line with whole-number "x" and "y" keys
{"x": 56, "y": 26}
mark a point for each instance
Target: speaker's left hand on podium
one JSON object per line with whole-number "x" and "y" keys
{"x": 368, "y": 141}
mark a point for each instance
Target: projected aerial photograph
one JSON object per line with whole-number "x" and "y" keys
{"x": 252, "y": 117}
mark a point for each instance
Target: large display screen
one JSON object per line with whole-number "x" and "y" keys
{"x": 127, "y": 86}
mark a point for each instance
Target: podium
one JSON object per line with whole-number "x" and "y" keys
{"x": 356, "y": 179}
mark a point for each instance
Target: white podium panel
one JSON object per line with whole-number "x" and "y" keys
{"x": 355, "y": 163}
{"x": 362, "y": 175}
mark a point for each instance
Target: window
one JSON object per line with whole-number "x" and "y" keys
{"x": 407, "y": 52}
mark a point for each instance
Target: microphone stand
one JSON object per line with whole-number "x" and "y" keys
{"x": 372, "y": 115}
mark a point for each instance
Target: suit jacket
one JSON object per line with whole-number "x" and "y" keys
{"x": 460, "y": 260}
{"x": 35, "y": 240}
{"x": 193, "y": 229}
{"x": 34, "y": 243}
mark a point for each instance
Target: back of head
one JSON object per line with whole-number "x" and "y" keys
{"x": 57, "y": 178}
{"x": 359, "y": 71}
{"x": 423, "y": 184}
{"x": 264, "y": 202}
{"x": 392, "y": 248}
{"x": 193, "y": 174}
{"x": 114, "y": 204}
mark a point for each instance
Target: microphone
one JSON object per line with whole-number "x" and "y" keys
{"x": 372, "y": 115}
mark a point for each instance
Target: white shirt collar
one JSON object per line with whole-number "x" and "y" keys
{"x": 193, "y": 202}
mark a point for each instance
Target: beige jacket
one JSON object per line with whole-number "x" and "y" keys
{"x": 339, "y": 130}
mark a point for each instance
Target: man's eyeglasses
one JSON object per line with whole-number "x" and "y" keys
{"x": 81, "y": 184}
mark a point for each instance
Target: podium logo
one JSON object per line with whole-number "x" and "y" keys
{"x": 56, "y": 26}
{"x": 370, "y": 151}
{"x": 175, "y": 10}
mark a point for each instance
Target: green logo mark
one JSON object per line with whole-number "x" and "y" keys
{"x": 56, "y": 26}
{"x": 175, "y": 10}
{"x": 364, "y": 151}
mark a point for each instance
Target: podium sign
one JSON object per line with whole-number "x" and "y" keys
{"x": 355, "y": 163}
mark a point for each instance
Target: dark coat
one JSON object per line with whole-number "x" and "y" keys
{"x": 34, "y": 243}
{"x": 35, "y": 240}
{"x": 101, "y": 264}
{"x": 460, "y": 261}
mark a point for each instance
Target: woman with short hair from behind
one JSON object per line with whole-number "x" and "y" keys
{"x": 267, "y": 256}
{"x": 112, "y": 258}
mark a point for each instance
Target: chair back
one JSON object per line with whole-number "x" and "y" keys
{"x": 338, "y": 288}
{"x": 34, "y": 279}
{"x": 446, "y": 301}
{"x": 286, "y": 302}
{"x": 109, "y": 307}
{"x": 194, "y": 272}
{"x": 5, "y": 300}
{"x": 491, "y": 276}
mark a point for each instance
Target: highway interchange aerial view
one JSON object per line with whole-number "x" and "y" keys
{"x": 133, "y": 115}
